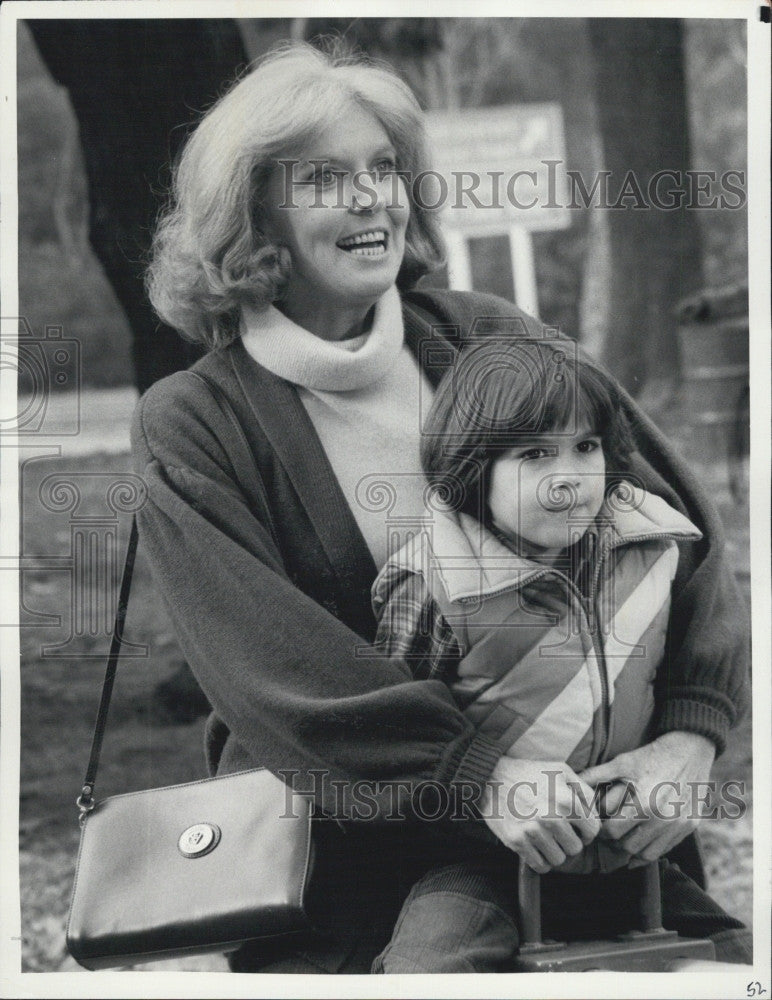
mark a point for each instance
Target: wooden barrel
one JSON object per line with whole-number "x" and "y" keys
{"x": 714, "y": 354}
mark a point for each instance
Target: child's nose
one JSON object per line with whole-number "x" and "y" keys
{"x": 562, "y": 492}
{"x": 568, "y": 477}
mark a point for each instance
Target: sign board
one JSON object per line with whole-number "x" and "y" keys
{"x": 499, "y": 167}
{"x": 498, "y": 170}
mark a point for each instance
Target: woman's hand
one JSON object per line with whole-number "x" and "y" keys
{"x": 656, "y": 812}
{"x": 527, "y": 805}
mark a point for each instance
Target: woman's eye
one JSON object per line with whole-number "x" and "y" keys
{"x": 324, "y": 176}
{"x": 385, "y": 166}
{"x": 589, "y": 445}
{"x": 533, "y": 453}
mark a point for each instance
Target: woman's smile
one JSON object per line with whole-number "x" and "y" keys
{"x": 372, "y": 243}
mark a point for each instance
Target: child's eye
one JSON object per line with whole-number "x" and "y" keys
{"x": 589, "y": 445}
{"x": 533, "y": 453}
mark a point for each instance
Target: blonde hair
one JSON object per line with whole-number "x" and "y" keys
{"x": 209, "y": 256}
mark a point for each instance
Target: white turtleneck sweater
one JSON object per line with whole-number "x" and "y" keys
{"x": 365, "y": 398}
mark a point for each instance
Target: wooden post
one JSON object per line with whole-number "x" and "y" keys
{"x": 521, "y": 258}
{"x": 459, "y": 264}
{"x": 523, "y": 270}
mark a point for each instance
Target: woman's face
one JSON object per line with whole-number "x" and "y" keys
{"x": 342, "y": 212}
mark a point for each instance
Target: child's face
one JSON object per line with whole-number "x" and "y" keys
{"x": 548, "y": 489}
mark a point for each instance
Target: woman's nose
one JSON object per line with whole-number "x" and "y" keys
{"x": 366, "y": 194}
{"x": 361, "y": 204}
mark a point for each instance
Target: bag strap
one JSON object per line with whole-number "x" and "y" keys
{"x": 85, "y": 800}
{"x": 245, "y": 463}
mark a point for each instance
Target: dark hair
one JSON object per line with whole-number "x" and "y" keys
{"x": 501, "y": 391}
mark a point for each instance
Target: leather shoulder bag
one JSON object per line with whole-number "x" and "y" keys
{"x": 187, "y": 869}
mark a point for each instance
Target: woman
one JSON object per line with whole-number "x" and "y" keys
{"x": 291, "y": 250}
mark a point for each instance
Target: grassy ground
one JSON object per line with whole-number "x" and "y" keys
{"x": 59, "y": 698}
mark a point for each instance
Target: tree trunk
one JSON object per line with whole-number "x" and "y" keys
{"x": 654, "y": 253}
{"x": 136, "y": 87}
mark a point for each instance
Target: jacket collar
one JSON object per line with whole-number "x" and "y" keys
{"x": 632, "y": 514}
{"x": 469, "y": 562}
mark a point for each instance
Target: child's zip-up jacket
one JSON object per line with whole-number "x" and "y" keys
{"x": 548, "y": 672}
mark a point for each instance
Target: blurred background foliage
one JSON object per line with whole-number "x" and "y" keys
{"x": 450, "y": 63}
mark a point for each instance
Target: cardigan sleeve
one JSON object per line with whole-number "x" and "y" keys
{"x": 284, "y": 675}
{"x": 703, "y": 684}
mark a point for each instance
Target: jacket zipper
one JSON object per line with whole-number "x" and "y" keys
{"x": 589, "y": 607}
{"x": 590, "y": 616}
{"x": 591, "y": 610}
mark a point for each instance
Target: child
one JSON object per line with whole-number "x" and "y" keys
{"x": 539, "y": 591}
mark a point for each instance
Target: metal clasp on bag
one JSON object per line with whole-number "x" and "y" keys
{"x": 85, "y": 803}
{"x": 199, "y": 840}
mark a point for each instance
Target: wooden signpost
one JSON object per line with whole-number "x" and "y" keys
{"x": 499, "y": 171}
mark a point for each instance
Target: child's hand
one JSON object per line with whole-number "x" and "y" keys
{"x": 539, "y": 809}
